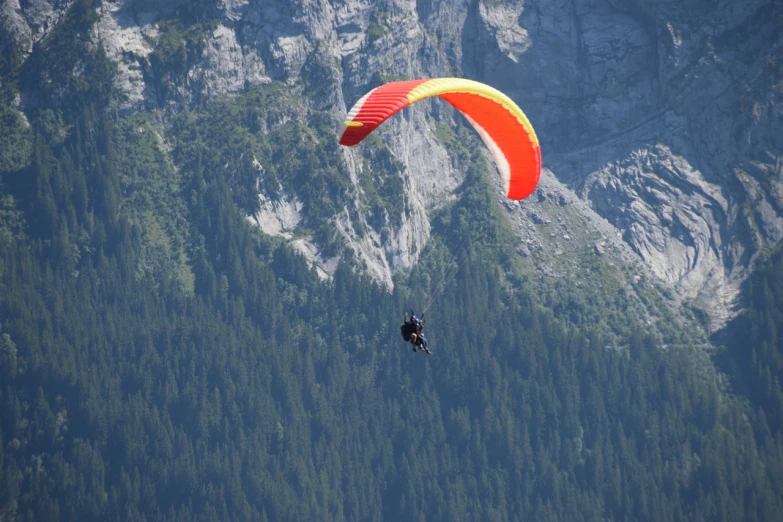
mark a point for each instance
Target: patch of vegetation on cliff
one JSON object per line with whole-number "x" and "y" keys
{"x": 65, "y": 70}
{"x": 266, "y": 141}
{"x": 15, "y": 140}
{"x": 382, "y": 183}
{"x": 177, "y": 48}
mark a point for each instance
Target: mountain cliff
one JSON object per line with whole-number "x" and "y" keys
{"x": 659, "y": 121}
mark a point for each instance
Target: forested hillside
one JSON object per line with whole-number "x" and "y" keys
{"x": 756, "y": 346}
{"x": 162, "y": 359}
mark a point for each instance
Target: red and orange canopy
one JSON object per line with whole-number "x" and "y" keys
{"x": 499, "y": 121}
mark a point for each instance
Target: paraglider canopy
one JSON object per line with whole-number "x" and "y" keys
{"x": 499, "y": 121}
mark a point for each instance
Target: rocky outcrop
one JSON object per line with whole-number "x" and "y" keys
{"x": 660, "y": 120}
{"x": 665, "y": 118}
{"x": 688, "y": 174}
{"x": 127, "y": 39}
{"x": 14, "y": 29}
{"x": 27, "y": 22}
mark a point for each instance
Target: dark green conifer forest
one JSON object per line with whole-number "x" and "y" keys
{"x": 161, "y": 359}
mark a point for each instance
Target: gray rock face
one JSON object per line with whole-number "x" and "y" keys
{"x": 24, "y": 23}
{"x": 659, "y": 119}
{"x": 681, "y": 157}
{"x": 13, "y": 27}
{"x": 665, "y": 117}
{"x": 668, "y": 213}
{"x": 126, "y": 38}
{"x": 33, "y": 19}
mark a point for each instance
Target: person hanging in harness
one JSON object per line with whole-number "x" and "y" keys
{"x": 411, "y": 332}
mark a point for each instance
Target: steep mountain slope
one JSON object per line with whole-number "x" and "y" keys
{"x": 663, "y": 118}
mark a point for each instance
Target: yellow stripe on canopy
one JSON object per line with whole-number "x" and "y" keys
{"x": 438, "y": 86}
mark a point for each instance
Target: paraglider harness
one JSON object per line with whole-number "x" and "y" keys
{"x": 415, "y": 325}
{"x": 412, "y": 326}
